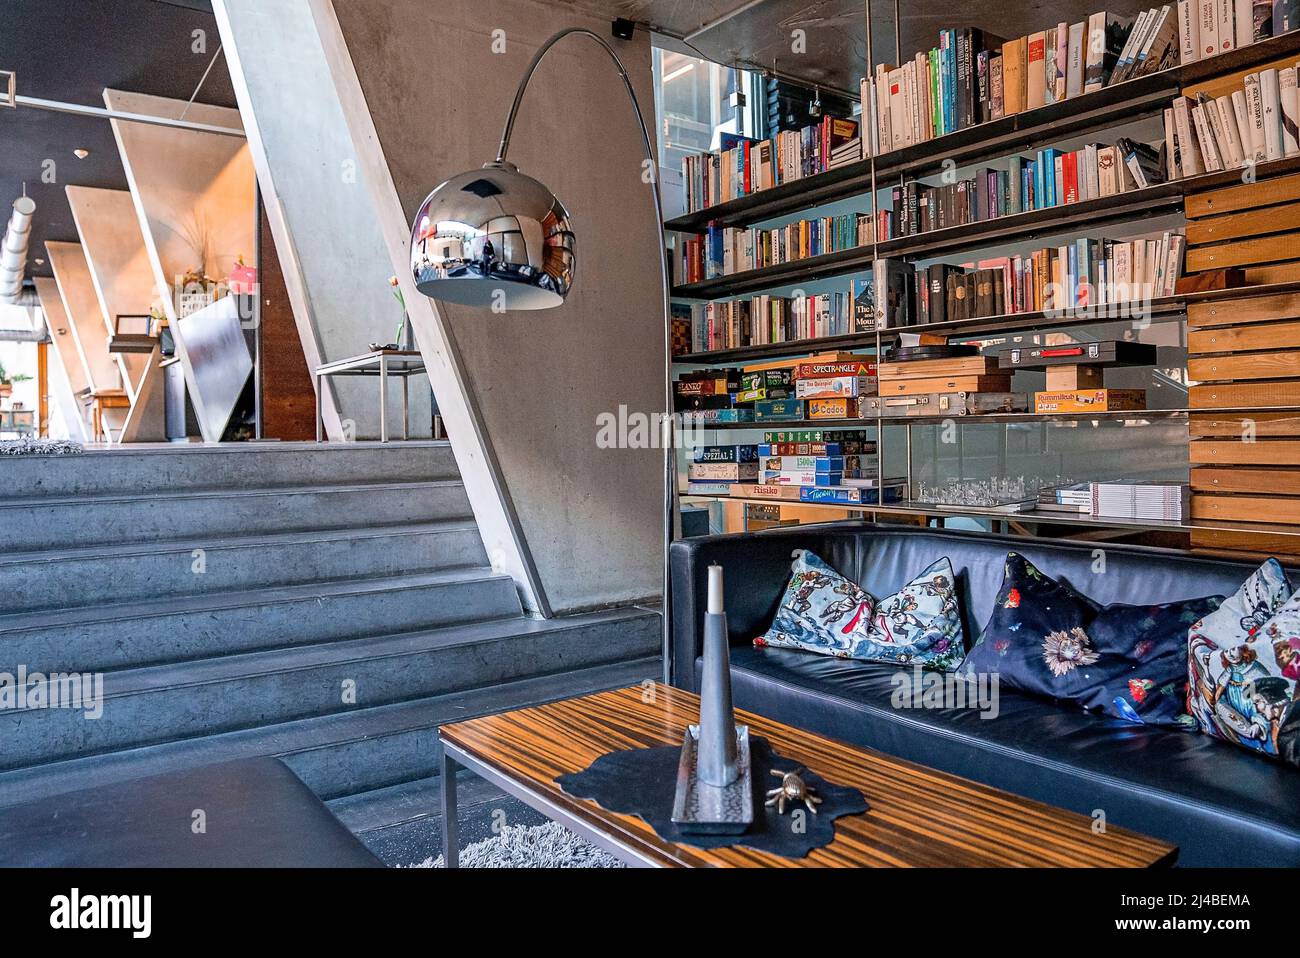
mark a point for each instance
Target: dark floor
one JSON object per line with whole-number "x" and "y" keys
{"x": 403, "y": 826}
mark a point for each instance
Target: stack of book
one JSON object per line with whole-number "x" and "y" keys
{"x": 764, "y": 319}
{"x": 1075, "y": 497}
{"x": 971, "y": 77}
{"x": 1252, "y": 125}
{"x": 723, "y": 251}
{"x": 745, "y": 165}
{"x": 1207, "y": 28}
{"x": 848, "y": 152}
{"x": 1093, "y": 275}
{"x": 1051, "y": 178}
{"x": 1141, "y": 500}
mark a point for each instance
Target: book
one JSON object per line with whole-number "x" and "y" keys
{"x": 1061, "y": 60}
{"x": 1226, "y": 13}
{"x": 1035, "y": 75}
{"x": 1290, "y": 111}
{"x": 1189, "y": 33}
{"x": 1128, "y": 55}
{"x": 1189, "y": 153}
{"x": 1014, "y": 80}
{"x": 1255, "y": 111}
{"x": 1075, "y": 65}
{"x": 1105, "y": 40}
{"x": 1286, "y": 16}
{"x": 1270, "y": 94}
{"x": 1208, "y": 23}
{"x": 1236, "y": 157}
{"x": 1243, "y": 20}
{"x": 1205, "y": 137}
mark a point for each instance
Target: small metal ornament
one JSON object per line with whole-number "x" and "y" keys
{"x": 792, "y": 788}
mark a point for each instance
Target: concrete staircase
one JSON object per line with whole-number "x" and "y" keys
{"x": 331, "y": 605}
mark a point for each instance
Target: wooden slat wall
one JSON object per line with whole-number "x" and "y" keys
{"x": 1244, "y": 354}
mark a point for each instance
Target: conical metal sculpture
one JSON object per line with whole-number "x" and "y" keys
{"x": 715, "y": 791}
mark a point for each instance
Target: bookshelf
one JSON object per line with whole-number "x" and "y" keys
{"x": 1141, "y": 98}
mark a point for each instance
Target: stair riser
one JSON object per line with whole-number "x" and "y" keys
{"x": 131, "y": 472}
{"x": 179, "y": 712}
{"x": 204, "y": 633}
{"x": 121, "y": 578}
{"x": 88, "y": 522}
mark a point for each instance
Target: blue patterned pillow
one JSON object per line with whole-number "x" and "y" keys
{"x": 1126, "y": 661}
{"x": 824, "y": 612}
{"x": 1243, "y": 664}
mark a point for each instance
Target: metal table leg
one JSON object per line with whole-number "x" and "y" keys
{"x": 320, "y": 415}
{"x": 383, "y": 399}
{"x": 406, "y": 406}
{"x": 450, "y": 825}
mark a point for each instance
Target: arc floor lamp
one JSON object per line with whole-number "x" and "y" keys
{"x": 496, "y": 238}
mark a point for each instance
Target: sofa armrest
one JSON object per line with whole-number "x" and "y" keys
{"x": 756, "y": 567}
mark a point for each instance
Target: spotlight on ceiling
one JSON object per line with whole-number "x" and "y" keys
{"x": 81, "y": 154}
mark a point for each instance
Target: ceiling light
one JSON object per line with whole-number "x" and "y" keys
{"x": 81, "y": 154}
{"x": 680, "y": 71}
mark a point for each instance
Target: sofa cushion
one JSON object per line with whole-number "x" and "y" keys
{"x": 1207, "y": 797}
{"x": 823, "y": 612}
{"x": 1243, "y": 687}
{"x": 1127, "y": 661}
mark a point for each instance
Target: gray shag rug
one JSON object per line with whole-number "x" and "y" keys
{"x": 531, "y": 846}
{"x": 27, "y": 446}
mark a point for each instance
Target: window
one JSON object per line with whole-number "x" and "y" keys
{"x": 693, "y": 104}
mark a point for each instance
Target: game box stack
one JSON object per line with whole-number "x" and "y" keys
{"x": 833, "y": 467}
{"x": 711, "y": 396}
{"x": 714, "y": 470}
{"x": 1076, "y": 374}
{"x": 942, "y": 380}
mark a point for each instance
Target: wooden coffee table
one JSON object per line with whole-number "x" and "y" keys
{"x": 918, "y": 816}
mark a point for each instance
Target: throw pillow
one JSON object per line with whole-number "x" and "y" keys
{"x": 1243, "y": 665}
{"x": 824, "y": 612}
{"x": 1126, "y": 661}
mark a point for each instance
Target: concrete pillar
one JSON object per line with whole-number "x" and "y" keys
{"x": 425, "y": 89}
{"x": 335, "y": 264}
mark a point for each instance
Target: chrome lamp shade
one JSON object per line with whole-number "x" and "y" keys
{"x": 494, "y": 238}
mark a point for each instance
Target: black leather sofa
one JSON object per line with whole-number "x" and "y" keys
{"x": 1221, "y": 805}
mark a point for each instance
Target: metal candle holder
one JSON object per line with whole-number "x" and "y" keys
{"x": 715, "y": 790}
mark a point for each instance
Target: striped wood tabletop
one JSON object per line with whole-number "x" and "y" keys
{"x": 918, "y": 816}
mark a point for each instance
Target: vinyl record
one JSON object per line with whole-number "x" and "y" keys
{"x": 907, "y": 354}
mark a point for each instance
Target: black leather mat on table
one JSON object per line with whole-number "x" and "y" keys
{"x": 643, "y": 781}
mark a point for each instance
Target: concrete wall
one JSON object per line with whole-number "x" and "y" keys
{"x": 335, "y": 265}
{"x": 437, "y": 95}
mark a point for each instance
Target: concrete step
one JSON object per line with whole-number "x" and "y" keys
{"x": 129, "y": 634}
{"x": 336, "y": 755}
{"x": 48, "y": 522}
{"x": 163, "y": 703}
{"x": 169, "y": 468}
{"x": 203, "y": 565}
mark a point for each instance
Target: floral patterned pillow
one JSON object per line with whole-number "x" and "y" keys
{"x": 824, "y": 612}
{"x": 1243, "y": 666}
{"x": 1127, "y": 661}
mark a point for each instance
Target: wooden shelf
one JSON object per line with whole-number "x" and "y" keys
{"x": 1142, "y": 96}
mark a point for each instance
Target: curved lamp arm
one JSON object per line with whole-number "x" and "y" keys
{"x": 668, "y": 434}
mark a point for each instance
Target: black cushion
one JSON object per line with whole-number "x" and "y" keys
{"x": 256, "y": 812}
{"x": 1219, "y": 804}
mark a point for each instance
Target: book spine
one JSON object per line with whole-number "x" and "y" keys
{"x": 1189, "y": 33}
{"x": 1290, "y": 111}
